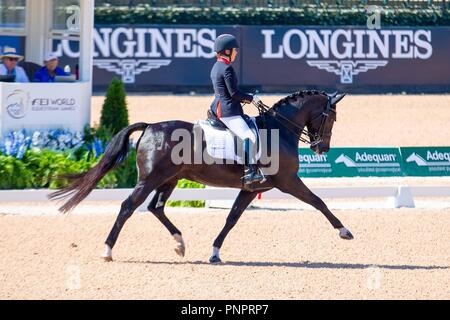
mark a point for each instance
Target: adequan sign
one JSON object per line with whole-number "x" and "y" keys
{"x": 426, "y": 161}
{"x": 351, "y": 162}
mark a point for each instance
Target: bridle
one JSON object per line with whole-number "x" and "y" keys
{"x": 313, "y": 138}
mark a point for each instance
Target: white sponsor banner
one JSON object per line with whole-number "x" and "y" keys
{"x": 36, "y": 106}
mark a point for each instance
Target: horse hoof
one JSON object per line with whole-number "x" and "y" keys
{"x": 107, "y": 258}
{"x": 107, "y": 254}
{"x": 180, "y": 250}
{"x": 214, "y": 259}
{"x": 345, "y": 234}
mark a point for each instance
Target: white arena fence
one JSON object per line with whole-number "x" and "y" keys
{"x": 402, "y": 195}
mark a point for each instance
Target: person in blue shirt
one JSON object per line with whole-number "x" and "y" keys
{"x": 48, "y": 72}
{"x": 9, "y": 65}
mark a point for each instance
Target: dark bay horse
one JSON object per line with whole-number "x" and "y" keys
{"x": 313, "y": 110}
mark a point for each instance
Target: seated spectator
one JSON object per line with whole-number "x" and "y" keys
{"x": 48, "y": 72}
{"x": 9, "y": 65}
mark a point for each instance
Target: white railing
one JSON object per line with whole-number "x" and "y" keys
{"x": 403, "y": 195}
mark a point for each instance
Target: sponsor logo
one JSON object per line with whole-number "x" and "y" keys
{"x": 53, "y": 104}
{"x": 437, "y": 159}
{"x": 17, "y": 104}
{"x": 347, "y": 52}
{"x": 368, "y": 160}
{"x": 129, "y": 52}
{"x": 346, "y": 69}
{"x": 129, "y": 68}
{"x": 313, "y": 161}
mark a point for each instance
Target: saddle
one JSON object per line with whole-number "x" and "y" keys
{"x": 221, "y": 143}
{"x": 215, "y": 122}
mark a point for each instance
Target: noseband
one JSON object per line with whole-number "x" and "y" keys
{"x": 312, "y": 138}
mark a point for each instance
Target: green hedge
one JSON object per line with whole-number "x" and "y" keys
{"x": 307, "y": 15}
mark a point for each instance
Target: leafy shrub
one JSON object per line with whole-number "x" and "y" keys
{"x": 114, "y": 116}
{"x": 322, "y": 15}
{"x": 183, "y": 183}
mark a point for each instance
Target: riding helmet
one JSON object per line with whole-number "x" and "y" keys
{"x": 225, "y": 42}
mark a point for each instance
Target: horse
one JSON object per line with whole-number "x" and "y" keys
{"x": 307, "y": 112}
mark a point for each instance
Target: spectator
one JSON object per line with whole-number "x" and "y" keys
{"x": 9, "y": 65}
{"x": 48, "y": 72}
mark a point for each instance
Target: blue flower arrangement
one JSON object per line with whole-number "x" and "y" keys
{"x": 16, "y": 143}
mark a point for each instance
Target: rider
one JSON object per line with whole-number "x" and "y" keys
{"x": 227, "y": 102}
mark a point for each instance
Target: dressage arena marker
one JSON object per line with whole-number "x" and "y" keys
{"x": 402, "y": 196}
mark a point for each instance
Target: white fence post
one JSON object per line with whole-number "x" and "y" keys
{"x": 404, "y": 198}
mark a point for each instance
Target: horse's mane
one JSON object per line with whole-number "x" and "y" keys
{"x": 295, "y": 95}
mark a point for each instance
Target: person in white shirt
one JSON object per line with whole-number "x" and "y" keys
{"x": 9, "y": 65}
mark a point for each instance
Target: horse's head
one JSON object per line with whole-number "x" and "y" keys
{"x": 320, "y": 121}
{"x": 311, "y": 109}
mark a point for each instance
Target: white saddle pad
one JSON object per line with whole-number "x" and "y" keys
{"x": 220, "y": 144}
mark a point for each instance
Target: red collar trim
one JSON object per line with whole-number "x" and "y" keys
{"x": 222, "y": 59}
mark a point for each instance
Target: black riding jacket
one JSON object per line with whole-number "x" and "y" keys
{"x": 227, "y": 95}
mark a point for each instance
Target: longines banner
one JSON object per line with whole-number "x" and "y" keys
{"x": 346, "y": 56}
{"x": 148, "y": 55}
{"x": 152, "y": 55}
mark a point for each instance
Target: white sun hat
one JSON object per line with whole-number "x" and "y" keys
{"x": 9, "y": 52}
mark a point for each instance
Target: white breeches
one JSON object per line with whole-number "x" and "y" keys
{"x": 239, "y": 127}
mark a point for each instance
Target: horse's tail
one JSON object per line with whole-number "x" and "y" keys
{"x": 83, "y": 183}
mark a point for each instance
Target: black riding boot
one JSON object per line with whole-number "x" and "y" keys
{"x": 251, "y": 171}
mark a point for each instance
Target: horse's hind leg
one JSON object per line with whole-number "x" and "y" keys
{"x": 156, "y": 206}
{"x": 137, "y": 197}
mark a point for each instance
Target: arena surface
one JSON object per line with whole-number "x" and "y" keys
{"x": 273, "y": 252}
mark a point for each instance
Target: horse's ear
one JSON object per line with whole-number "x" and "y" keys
{"x": 337, "y": 98}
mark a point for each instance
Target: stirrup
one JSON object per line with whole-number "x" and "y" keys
{"x": 253, "y": 176}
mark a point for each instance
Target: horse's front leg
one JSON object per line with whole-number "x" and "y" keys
{"x": 240, "y": 204}
{"x": 298, "y": 189}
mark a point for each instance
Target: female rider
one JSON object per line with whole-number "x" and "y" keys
{"x": 227, "y": 102}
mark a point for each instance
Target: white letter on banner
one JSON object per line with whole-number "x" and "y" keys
{"x": 205, "y": 42}
{"x": 382, "y": 45}
{"x": 185, "y": 48}
{"x": 102, "y": 42}
{"x": 157, "y": 39}
{"x": 322, "y": 44}
{"x": 129, "y": 44}
{"x": 402, "y": 41}
{"x": 347, "y": 45}
{"x": 287, "y": 44}
{"x": 424, "y": 44}
{"x": 268, "y": 46}
{"x": 140, "y": 43}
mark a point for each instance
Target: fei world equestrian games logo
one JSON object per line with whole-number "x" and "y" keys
{"x": 346, "y": 52}
{"x": 17, "y": 104}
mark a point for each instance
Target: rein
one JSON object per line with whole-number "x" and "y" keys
{"x": 316, "y": 137}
